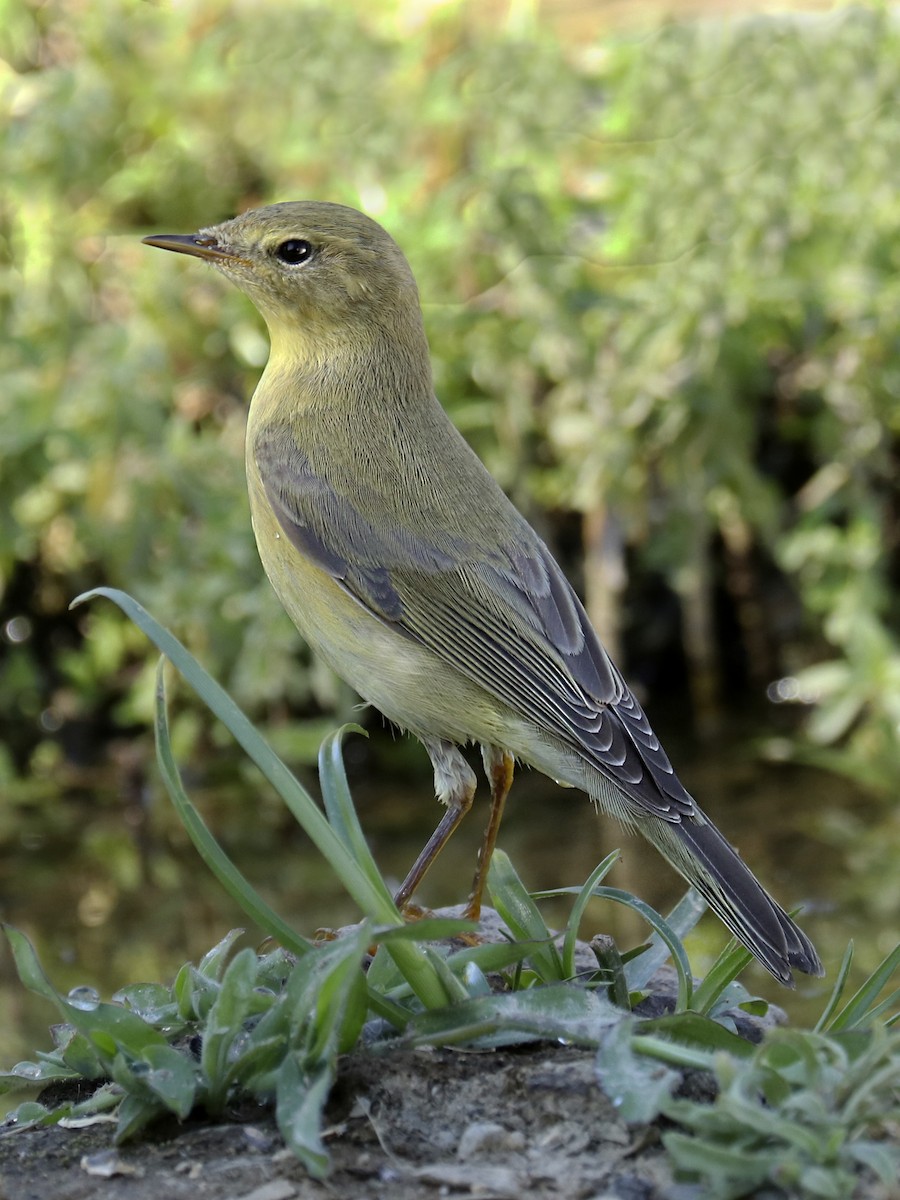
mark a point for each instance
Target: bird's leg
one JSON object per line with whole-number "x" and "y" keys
{"x": 499, "y": 765}
{"x": 454, "y": 785}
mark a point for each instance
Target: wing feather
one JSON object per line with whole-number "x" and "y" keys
{"x": 503, "y": 616}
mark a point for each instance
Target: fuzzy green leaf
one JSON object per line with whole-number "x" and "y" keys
{"x": 300, "y": 1097}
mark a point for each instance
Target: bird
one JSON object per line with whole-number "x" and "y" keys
{"x": 405, "y": 566}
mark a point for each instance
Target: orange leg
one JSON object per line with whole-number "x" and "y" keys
{"x": 499, "y": 765}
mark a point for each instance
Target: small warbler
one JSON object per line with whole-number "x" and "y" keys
{"x": 405, "y": 566}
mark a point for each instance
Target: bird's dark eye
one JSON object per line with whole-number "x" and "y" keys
{"x": 294, "y": 251}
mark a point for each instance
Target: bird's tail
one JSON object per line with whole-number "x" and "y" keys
{"x": 706, "y": 860}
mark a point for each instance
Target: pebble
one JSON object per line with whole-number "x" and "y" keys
{"x": 487, "y": 1137}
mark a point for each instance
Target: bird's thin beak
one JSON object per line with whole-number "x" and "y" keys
{"x": 192, "y": 243}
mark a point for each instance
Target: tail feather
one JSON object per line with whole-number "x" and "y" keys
{"x": 705, "y": 858}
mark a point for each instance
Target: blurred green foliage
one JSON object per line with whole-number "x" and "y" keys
{"x": 660, "y": 277}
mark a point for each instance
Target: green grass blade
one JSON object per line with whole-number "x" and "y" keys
{"x": 837, "y": 991}
{"x": 425, "y": 929}
{"x": 341, "y": 812}
{"x": 452, "y": 984}
{"x": 581, "y": 902}
{"x": 234, "y": 883}
{"x": 856, "y": 1011}
{"x": 729, "y": 964}
{"x": 668, "y": 935}
{"x": 301, "y": 804}
{"x": 521, "y": 915}
{"x": 491, "y": 956}
{"x": 697, "y": 1032}
{"x": 415, "y": 966}
{"x": 887, "y": 1005}
{"x": 681, "y": 920}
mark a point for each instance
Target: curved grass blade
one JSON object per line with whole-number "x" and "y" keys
{"x": 668, "y": 935}
{"x": 415, "y": 965}
{"x": 837, "y": 991}
{"x": 301, "y": 804}
{"x": 859, "y": 1009}
{"x": 340, "y": 810}
{"x": 234, "y": 883}
{"x": 491, "y": 957}
{"x": 729, "y": 964}
{"x": 681, "y": 920}
{"x": 581, "y": 902}
{"x": 521, "y": 914}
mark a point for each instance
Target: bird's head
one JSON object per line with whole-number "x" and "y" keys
{"x": 314, "y": 270}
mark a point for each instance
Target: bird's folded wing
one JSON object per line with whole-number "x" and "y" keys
{"x": 504, "y": 617}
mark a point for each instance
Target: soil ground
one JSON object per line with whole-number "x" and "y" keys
{"x": 494, "y": 1124}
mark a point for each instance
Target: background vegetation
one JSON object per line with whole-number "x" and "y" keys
{"x": 660, "y": 277}
{"x": 661, "y": 282}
